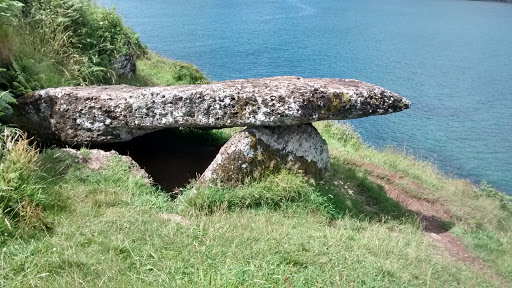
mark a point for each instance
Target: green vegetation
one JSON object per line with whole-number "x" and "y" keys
{"x": 482, "y": 215}
{"x": 273, "y": 192}
{"x": 52, "y": 43}
{"x": 473, "y": 207}
{"x": 155, "y": 70}
{"x": 284, "y": 229}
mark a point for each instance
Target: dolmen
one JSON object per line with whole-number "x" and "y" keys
{"x": 277, "y": 112}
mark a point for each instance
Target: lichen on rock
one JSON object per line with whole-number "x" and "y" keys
{"x": 85, "y": 115}
{"x": 256, "y": 150}
{"x": 96, "y": 159}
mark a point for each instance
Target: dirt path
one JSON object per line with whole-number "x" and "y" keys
{"x": 434, "y": 218}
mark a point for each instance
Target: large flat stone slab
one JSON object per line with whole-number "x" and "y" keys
{"x": 102, "y": 114}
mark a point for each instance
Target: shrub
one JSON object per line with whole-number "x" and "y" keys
{"x": 17, "y": 169}
{"x": 59, "y": 43}
{"x": 27, "y": 186}
{"x": 486, "y": 190}
{"x": 6, "y": 99}
{"x": 9, "y": 12}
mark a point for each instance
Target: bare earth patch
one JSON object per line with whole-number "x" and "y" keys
{"x": 433, "y": 216}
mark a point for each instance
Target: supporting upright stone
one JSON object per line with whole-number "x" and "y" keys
{"x": 255, "y": 150}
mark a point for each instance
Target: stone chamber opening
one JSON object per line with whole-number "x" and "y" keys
{"x": 172, "y": 157}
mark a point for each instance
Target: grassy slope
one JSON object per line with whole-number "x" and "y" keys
{"x": 283, "y": 230}
{"x": 483, "y": 215}
{"x": 155, "y": 70}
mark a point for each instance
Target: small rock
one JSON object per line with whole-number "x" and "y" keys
{"x": 125, "y": 66}
{"x": 97, "y": 159}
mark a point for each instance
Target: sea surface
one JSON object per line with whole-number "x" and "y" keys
{"x": 451, "y": 58}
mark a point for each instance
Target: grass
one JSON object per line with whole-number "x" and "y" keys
{"x": 155, "y": 70}
{"x": 482, "y": 215}
{"x": 468, "y": 205}
{"x": 130, "y": 246}
{"x": 272, "y": 192}
{"x": 282, "y": 230}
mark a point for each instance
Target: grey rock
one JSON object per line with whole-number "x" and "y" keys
{"x": 97, "y": 159}
{"x": 103, "y": 114}
{"x": 125, "y": 66}
{"x": 257, "y": 150}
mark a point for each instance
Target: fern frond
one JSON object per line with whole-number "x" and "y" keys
{"x": 6, "y": 99}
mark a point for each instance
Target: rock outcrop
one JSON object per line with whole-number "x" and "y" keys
{"x": 94, "y": 115}
{"x": 256, "y": 150}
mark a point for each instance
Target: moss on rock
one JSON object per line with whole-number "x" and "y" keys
{"x": 255, "y": 151}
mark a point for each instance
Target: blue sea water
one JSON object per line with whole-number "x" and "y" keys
{"x": 451, "y": 58}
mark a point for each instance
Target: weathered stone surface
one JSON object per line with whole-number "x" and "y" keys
{"x": 255, "y": 150}
{"x": 80, "y": 115}
{"x": 125, "y": 66}
{"x": 97, "y": 159}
